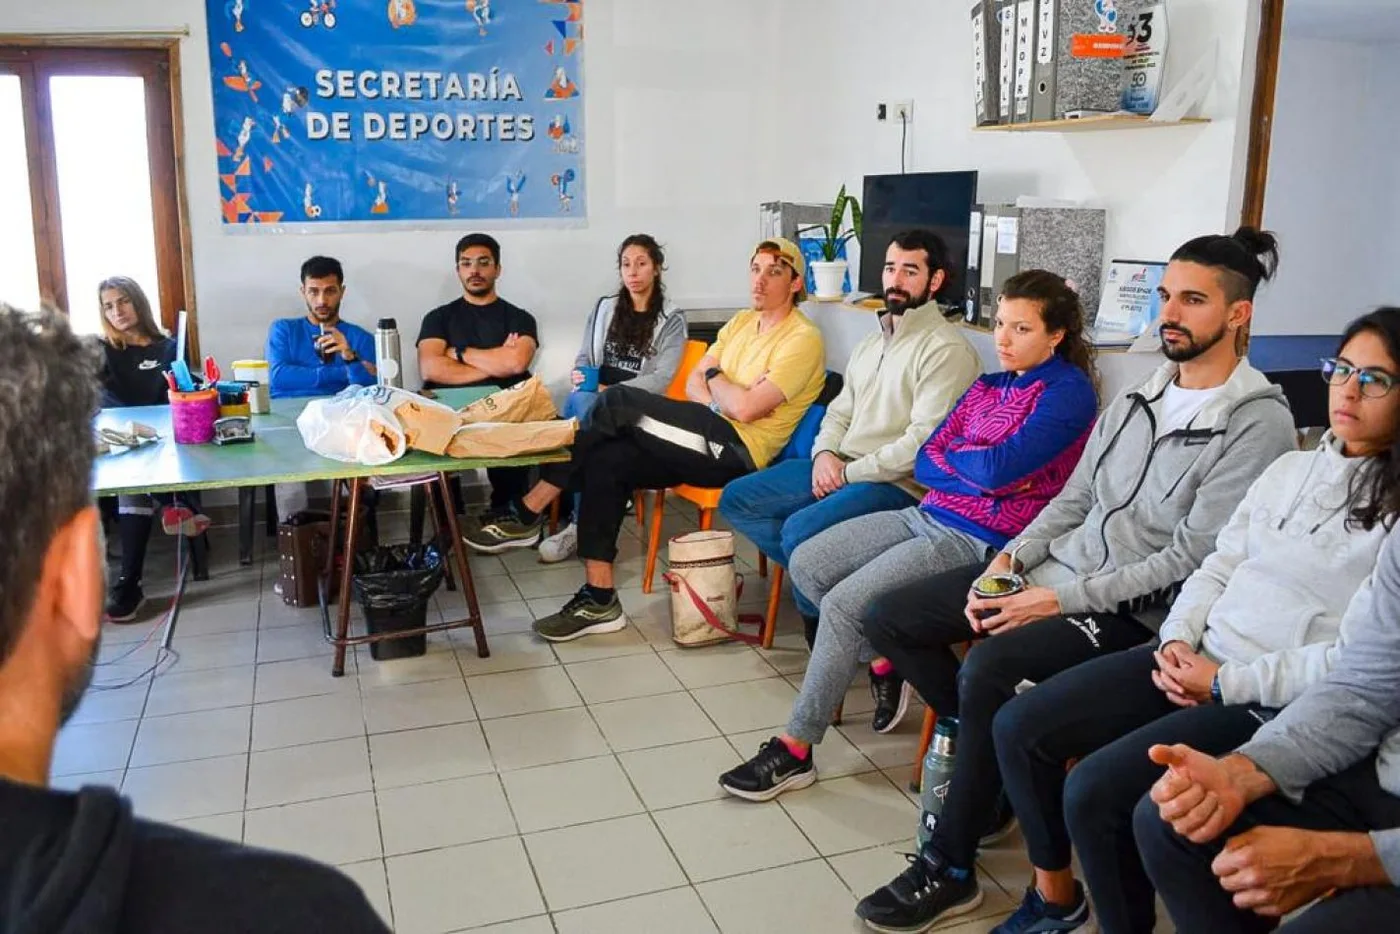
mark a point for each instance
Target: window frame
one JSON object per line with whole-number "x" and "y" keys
{"x": 35, "y": 59}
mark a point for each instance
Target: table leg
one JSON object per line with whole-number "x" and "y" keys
{"x": 247, "y": 499}
{"x": 417, "y": 506}
{"x": 335, "y": 529}
{"x": 459, "y": 551}
{"x": 440, "y": 538}
{"x": 352, "y": 531}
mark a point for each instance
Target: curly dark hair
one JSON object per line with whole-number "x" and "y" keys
{"x": 1374, "y": 494}
{"x": 632, "y": 331}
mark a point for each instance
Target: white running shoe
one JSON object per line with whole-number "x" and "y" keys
{"x": 560, "y": 546}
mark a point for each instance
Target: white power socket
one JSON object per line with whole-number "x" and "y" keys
{"x": 895, "y": 111}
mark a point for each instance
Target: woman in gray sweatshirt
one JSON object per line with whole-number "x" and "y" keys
{"x": 634, "y": 336}
{"x": 1262, "y": 619}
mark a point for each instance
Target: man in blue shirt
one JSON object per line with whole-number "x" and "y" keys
{"x": 316, "y": 354}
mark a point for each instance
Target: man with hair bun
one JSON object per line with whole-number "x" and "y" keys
{"x": 1164, "y": 469}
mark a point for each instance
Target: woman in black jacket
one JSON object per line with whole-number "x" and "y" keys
{"x": 136, "y": 357}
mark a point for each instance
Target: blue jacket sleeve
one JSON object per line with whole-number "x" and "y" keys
{"x": 1065, "y": 409}
{"x": 290, "y": 377}
{"x": 362, "y": 342}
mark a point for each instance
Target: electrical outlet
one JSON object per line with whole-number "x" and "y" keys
{"x": 895, "y": 111}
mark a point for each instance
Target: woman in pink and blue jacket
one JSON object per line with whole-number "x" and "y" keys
{"x": 1003, "y": 452}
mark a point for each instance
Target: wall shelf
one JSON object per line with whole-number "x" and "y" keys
{"x": 1089, "y": 124}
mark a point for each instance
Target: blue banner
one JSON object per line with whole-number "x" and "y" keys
{"x": 397, "y": 110}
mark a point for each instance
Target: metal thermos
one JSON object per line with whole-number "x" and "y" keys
{"x": 938, "y": 774}
{"x": 388, "y": 361}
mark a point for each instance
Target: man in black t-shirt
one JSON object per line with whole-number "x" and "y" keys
{"x": 80, "y": 863}
{"x": 480, "y": 339}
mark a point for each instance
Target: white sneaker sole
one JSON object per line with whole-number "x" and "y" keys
{"x": 597, "y": 629}
{"x": 552, "y": 558}
{"x": 791, "y": 783}
{"x": 503, "y": 547}
{"x": 904, "y": 693}
{"x": 971, "y": 904}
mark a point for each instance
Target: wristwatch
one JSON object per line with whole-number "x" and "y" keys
{"x": 711, "y": 373}
{"x": 1215, "y": 694}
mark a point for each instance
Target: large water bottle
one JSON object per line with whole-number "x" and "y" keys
{"x": 938, "y": 774}
{"x": 388, "y": 362}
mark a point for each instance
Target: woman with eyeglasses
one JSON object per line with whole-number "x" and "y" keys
{"x": 1262, "y": 619}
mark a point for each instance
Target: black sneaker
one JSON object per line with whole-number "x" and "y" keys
{"x": 891, "y": 695}
{"x": 504, "y": 532}
{"x": 1002, "y": 825}
{"x": 1037, "y": 916}
{"x": 582, "y": 616}
{"x": 124, "y": 600}
{"x": 770, "y": 773}
{"x": 919, "y": 897}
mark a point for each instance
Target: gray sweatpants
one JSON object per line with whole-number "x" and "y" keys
{"x": 842, "y": 570}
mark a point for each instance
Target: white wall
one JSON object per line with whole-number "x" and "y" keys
{"x": 1161, "y": 186}
{"x": 694, "y": 115}
{"x": 682, "y": 142}
{"x": 1334, "y": 185}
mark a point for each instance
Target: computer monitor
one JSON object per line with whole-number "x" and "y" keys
{"x": 938, "y": 201}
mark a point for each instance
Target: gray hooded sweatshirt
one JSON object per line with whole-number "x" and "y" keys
{"x": 667, "y": 341}
{"x": 1143, "y": 508}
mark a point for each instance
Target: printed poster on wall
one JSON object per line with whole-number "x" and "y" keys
{"x": 375, "y": 111}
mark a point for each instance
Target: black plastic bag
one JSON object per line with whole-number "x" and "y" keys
{"x": 397, "y": 577}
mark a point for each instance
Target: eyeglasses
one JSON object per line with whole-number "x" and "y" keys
{"x": 1372, "y": 382}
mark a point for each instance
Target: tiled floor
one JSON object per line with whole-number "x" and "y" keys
{"x": 565, "y": 788}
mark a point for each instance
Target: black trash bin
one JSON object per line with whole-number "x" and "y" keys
{"x": 394, "y": 584}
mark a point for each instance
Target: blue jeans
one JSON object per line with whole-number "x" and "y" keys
{"x": 775, "y": 509}
{"x": 578, "y": 405}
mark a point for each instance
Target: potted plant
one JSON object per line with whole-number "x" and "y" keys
{"x": 829, "y": 273}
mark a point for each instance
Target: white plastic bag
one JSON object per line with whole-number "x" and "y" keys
{"x": 353, "y": 427}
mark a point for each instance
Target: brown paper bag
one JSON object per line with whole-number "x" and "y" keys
{"x": 486, "y": 439}
{"x": 427, "y": 426}
{"x": 524, "y": 402}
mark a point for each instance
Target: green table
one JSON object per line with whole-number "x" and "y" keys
{"x": 277, "y": 455}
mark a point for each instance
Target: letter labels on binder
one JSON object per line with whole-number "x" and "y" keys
{"x": 1006, "y": 17}
{"x": 1025, "y": 60}
{"x": 1043, "y": 88}
{"x": 986, "y": 41}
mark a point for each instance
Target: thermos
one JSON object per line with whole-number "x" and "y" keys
{"x": 938, "y": 774}
{"x": 387, "y": 360}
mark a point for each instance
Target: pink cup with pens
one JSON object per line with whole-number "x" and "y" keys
{"x": 192, "y": 415}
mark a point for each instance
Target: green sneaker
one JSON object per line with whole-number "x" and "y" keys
{"x": 503, "y": 532}
{"x": 582, "y": 616}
